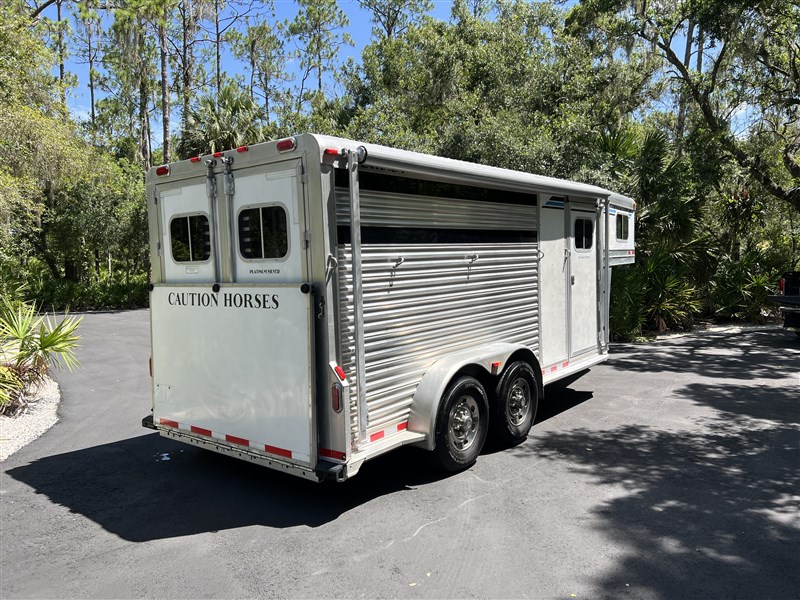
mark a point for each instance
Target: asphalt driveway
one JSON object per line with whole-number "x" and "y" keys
{"x": 672, "y": 471}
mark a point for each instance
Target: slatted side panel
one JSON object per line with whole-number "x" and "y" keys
{"x": 440, "y": 299}
{"x": 422, "y": 301}
{"x": 402, "y": 210}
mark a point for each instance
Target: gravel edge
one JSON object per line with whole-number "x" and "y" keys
{"x": 39, "y": 416}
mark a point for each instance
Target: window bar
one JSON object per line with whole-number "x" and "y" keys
{"x": 189, "y": 237}
{"x": 261, "y": 224}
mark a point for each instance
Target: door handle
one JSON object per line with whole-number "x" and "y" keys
{"x": 572, "y": 279}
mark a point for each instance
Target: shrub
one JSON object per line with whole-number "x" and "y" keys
{"x": 62, "y": 294}
{"x": 29, "y": 346}
{"x": 740, "y": 288}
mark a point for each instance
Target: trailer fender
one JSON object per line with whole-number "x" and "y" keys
{"x": 429, "y": 392}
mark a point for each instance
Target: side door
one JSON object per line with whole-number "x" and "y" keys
{"x": 268, "y": 221}
{"x": 583, "y": 278}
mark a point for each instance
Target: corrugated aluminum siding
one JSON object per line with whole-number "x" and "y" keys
{"x": 440, "y": 299}
{"x": 402, "y": 210}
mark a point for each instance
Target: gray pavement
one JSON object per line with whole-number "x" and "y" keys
{"x": 671, "y": 471}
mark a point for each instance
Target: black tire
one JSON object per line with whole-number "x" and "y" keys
{"x": 516, "y": 401}
{"x": 461, "y": 424}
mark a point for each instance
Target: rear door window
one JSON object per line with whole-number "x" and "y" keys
{"x": 190, "y": 238}
{"x": 263, "y": 232}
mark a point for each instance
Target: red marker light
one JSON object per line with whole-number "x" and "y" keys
{"x": 217, "y": 154}
{"x": 242, "y": 149}
{"x": 164, "y": 170}
{"x": 195, "y": 159}
{"x": 336, "y": 397}
{"x": 286, "y": 145}
{"x": 332, "y": 152}
{"x": 340, "y": 372}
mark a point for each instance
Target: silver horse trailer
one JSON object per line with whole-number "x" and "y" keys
{"x": 316, "y": 302}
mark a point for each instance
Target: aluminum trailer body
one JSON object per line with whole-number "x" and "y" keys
{"x": 316, "y": 302}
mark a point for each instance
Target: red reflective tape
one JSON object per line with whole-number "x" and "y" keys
{"x": 328, "y": 453}
{"x": 402, "y": 426}
{"x": 201, "y": 431}
{"x": 169, "y": 423}
{"x": 278, "y": 451}
{"x": 376, "y": 436}
{"x": 565, "y": 363}
{"x": 237, "y": 440}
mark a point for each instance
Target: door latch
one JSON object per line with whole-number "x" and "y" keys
{"x": 572, "y": 279}
{"x": 321, "y": 305}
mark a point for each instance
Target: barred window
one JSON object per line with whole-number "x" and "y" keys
{"x": 584, "y": 228}
{"x": 622, "y": 227}
{"x": 263, "y": 232}
{"x": 190, "y": 238}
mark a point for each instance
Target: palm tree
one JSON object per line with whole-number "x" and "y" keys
{"x": 230, "y": 120}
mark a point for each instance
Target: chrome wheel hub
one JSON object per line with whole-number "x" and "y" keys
{"x": 464, "y": 420}
{"x": 519, "y": 402}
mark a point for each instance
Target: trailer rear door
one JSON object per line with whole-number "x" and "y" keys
{"x": 187, "y": 232}
{"x": 233, "y": 362}
{"x": 236, "y": 366}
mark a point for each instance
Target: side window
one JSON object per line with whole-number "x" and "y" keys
{"x": 622, "y": 227}
{"x": 190, "y": 238}
{"x": 583, "y": 234}
{"x": 263, "y": 232}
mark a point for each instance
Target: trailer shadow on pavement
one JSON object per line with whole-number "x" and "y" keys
{"x": 708, "y": 509}
{"x": 750, "y": 355}
{"x": 149, "y": 487}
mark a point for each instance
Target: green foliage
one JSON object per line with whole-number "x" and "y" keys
{"x": 66, "y": 208}
{"x": 30, "y": 345}
{"x": 319, "y": 29}
{"x": 654, "y": 294}
{"x": 688, "y": 107}
{"x": 227, "y": 120}
{"x": 96, "y": 295}
{"x": 740, "y": 287}
{"x": 24, "y": 62}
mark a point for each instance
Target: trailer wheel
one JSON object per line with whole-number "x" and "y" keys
{"x": 461, "y": 424}
{"x": 515, "y": 406}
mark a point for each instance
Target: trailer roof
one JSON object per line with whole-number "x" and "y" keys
{"x": 458, "y": 171}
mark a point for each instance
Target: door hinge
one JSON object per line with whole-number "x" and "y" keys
{"x": 306, "y": 239}
{"x": 304, "y": 178}
{"x": 158, "y": 249}
{"x": 155, "y": 199}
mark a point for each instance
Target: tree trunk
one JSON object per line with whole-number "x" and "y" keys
{"x": 61, "y": 70}
{"x": 187, "y": 65}
{"x": 162, "y": 35}
{"x": 252, "y": 59}
{"x": 218, "y": 51}
{"x": 144, "y": 120}
{"x": 683, "y": 98}
{"x": 89, "y": 32}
